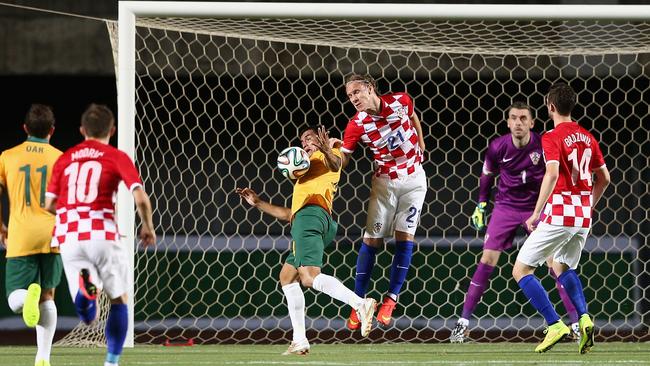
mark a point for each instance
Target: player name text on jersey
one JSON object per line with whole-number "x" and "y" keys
{"x": 86, "y": 153}
{"x": 577, "y": 137}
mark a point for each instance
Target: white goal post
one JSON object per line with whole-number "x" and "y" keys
{"x": 250, "y": 32}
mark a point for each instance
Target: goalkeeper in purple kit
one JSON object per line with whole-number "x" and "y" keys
{"x": 518, "y": 161}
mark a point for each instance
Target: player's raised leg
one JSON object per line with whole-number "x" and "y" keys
{"x": 83, "y": 291}
{"x": 51, "y": 271}
{"x": 313, "y": 228}
{"x": 365, "y": 308}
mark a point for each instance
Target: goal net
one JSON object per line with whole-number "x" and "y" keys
{"x": 217, "y": 97}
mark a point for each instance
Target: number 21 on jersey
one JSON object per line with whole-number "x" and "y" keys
{"x": 83, "y": 181}
{"x": 580, "y": 170}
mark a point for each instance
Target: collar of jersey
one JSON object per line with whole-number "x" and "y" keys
{"x": 36, "y": 139}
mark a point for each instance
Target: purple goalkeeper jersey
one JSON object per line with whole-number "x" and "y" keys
{"x": 520, "y": 172}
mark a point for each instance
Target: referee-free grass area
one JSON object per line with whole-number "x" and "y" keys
{"x": 613, "y": 353}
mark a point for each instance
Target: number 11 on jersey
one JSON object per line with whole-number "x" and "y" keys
{"x": 28, "y": 195}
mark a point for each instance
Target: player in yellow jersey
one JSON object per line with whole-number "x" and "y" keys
{"x": 312, "y": 229}
{"x": 33, "y": 268}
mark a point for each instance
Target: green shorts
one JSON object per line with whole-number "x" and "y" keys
{"x": 312, "y": 230}
{"x": 44, "y": 269}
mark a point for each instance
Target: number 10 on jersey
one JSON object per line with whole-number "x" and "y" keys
{"x": 83, "y": 181}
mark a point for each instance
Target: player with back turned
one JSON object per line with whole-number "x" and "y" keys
{"x": 33, "y": 268}
{"x": 564, "y": 212}
{"x": 81, "y": 193}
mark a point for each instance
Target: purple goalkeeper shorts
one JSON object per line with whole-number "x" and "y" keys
{"x": 503, "y": 225}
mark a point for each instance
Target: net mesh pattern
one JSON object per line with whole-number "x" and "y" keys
{"x": 217, "y": 99}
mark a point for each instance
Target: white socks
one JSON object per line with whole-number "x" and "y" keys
{"x": 45, "y": 329}
{"x": 16, "y": 300}
{"x": 46, "y": 324}
{"x": 296, "y": 305}
{"x": 335, "y": 288}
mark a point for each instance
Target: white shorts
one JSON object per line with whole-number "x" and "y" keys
{"x": 564, "y": 243}
{"x": 105, "y": 259}
{"x": 395, "y": 204}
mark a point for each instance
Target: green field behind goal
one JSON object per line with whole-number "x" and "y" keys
{"x": 612, "y": 353}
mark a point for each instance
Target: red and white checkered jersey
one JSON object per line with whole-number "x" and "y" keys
{"x": 84, "y": 181}
{"x": 578, "y": 155}
{"x": 391, "y": 136}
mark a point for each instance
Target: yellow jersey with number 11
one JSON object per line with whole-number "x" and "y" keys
{"x": 25, "y": 171}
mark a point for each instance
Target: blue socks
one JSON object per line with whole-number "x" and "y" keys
{"x": 573, "y": 288}
{"x": 117, "y": 325}
{"x": 538, "y": 297}
{"x": 86, "y": 309}
{"x": 365, "y": 264}
{"x": 400, "y": 267}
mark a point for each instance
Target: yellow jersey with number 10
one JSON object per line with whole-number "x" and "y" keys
{"x": 25, "y": 171}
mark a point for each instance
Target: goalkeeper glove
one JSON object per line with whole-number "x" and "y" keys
{"x": 478, "y": 217}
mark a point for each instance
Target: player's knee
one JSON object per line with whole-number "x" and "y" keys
{"x": 374, "y": 242}
{"x": 491, "y": 258}
{"x": 307, "y": 280}
{"x": 122, "y": 299}
{"x": 519, "y": 270}
{"x": 47, "y": 294}
{"x": 16, "y": 300}
{"x": 288, "y": 275}
{"x": 402, "y": 236}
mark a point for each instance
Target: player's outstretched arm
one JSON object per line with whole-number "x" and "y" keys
{"x": 143, "y": 204}
{"x": 279, "y": 212}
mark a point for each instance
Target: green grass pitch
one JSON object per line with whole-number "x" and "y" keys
{"x": 612, "y": 353}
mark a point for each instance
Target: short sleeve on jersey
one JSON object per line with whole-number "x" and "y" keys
{"x": 550, "y": 148}
{"x": 128, "y": 172}
{"x": 406, "y": 100}
{"x": 351, "y": 137}
{"x": 53, "y": 186}
{"x": 597, "y": 159}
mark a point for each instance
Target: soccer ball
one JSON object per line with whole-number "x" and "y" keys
{"x": 293, "y": 162}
